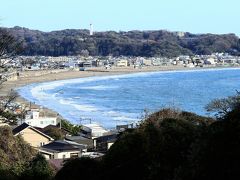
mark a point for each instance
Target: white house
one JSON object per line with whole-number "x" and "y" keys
{"x": 62, "y": 149}
{"x": 210, "y": 61}
{"x": 122, "y": 63}
{"x": 32, "y": 118}
{"x": 96, "y": 130}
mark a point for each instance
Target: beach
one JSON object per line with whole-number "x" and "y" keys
{"x": 29, "y": 77}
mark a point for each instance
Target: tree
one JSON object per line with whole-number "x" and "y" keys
{"x": 14, "y": 152}
{"x": 55, "y": 133}
{"x": 169, "y": 145}
{"x": 216, "y": 154}
{"x": 84, "y": 168}
{"x": 4, "y": 108}
{"x": 12, "y": 95}
{"x": 158, "y": 148}
{"x": 38, "y": 169}
{"x": 74, "y": 129}
{"x": 9, "y": 47}
{"x": 223, "y": 106}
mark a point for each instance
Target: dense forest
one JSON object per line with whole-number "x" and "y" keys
{"x": 131, "y": 43}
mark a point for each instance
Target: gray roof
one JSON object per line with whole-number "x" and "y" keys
{"x": 18, "y": 129}
{"x": 23, "y": 126}
{"x": 80, "y": 140}
{"x": 63, "y": 146}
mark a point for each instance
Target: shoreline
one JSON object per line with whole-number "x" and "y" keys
{"x": 30, "y": 77}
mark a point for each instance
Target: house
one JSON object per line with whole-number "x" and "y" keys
{"x": 147, "y": 62}
{"x": 62, "y": 149}
{"x": 85, "y": 132}
{"x": 96, "y": 130}
{"x": 81, "y": 140}
{"x": 122, "y": 63}
{"x": 32, "y": 135}
{"x": 33, "y": 118}
{"x": 103, "y": 143}
{"x": 210, "y": 61}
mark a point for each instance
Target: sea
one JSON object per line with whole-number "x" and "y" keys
{"x": 125, "y": 99}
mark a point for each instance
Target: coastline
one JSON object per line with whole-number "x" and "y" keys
{"x": 30, "y": 77}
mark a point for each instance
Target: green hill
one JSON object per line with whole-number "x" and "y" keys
{"x": 131, "y": 43}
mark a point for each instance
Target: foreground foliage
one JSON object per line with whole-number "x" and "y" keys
{"x": 18, "y": 160}
{"x": 14, "y": 152}
{"x": 38, "y": 169}
{"x": 169, "y": 145}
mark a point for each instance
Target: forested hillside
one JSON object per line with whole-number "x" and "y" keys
{"x": 131, "y": 43}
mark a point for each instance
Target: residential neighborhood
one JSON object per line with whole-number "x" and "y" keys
{"x": 35, "y": 63}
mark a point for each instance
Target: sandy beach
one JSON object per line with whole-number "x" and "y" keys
{"x": 29, "y": 77}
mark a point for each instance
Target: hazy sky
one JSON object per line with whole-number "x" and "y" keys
{"x": 197, "y": 16}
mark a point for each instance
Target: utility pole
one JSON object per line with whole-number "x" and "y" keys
{"x": 60, "y": 122}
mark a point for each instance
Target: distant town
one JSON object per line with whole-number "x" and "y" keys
{"x": 37, "y": 63}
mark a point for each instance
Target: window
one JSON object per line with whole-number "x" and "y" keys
{"x": 64, "y": 156}
{"x": 42, "y": 143}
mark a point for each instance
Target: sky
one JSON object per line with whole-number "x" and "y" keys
{"x": 196, "y": 16}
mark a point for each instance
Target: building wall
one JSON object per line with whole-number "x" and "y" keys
{"x": 34, "y": 138}
{"x": 66, "y": 155}
{"x": 122, "y": 63}
{"x": 41, "y": 122}
{"x": 147, "y": 62}
{"x": 109, "y": 145}
{"x": 61, "y": 155}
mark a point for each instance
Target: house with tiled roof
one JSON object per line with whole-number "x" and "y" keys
{"x": 62, "y": 149}
{"x": 32, "y": 135}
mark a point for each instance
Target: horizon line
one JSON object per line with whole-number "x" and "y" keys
{"x": 97, "y": 31}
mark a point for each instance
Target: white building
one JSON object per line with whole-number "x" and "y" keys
{"x": 147, "y": 62}
{"x": 122, "y": 63}
{"x": 62, "y": 150}
{"x": 32, "y": 118}
{"x": 97, "y": 130}
{"x": 210, "y": 61}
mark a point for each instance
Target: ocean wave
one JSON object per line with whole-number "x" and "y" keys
{"x": 86, "y": 108}
{"x": 80, "y": 107}
{"x": 98, "y": 88}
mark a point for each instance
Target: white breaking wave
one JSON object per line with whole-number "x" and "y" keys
{"x": 86, "y": 108}
{"x": 99, "y": 88}
{"x": 80, "y": 107}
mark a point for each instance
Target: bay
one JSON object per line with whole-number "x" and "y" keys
{"x": 122, "y": 99}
